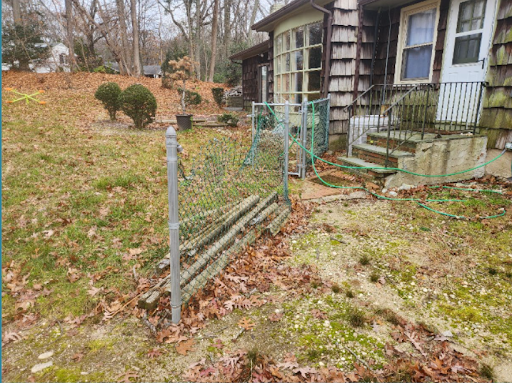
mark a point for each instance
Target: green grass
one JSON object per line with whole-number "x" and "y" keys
{"x": 81, "y": 198}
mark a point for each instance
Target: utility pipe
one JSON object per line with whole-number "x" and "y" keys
{"x": 328, "y": 45}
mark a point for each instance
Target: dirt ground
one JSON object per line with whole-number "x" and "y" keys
{"x": 387, "y": 263}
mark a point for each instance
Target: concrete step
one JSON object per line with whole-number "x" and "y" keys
{"x": 377, "y": 154}
{"x": 406, "y": 142}
{"x": 377, "y": 173}
{"x": 411, "y": 136}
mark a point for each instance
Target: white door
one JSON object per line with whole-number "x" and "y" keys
{"x": 468, "y": 39}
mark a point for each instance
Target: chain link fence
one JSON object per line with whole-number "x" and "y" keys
{"x": 230, "y": 193}
{"x": 308, "y": 124}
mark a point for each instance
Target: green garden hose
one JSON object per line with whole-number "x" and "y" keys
{"x": 313, "y": 157}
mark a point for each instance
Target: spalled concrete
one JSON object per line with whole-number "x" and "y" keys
{"x": 439, "y": 157}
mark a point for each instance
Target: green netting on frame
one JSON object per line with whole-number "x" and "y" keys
{"x": 271, "y": 117}
{"x": 231, "y": 190}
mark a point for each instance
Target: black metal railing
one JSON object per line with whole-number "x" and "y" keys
{"x": 414, "y": 110}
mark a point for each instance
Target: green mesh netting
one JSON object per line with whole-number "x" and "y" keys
{"x": 230, "y": 191}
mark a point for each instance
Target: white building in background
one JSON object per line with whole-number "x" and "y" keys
{"x": 57, "y": 61}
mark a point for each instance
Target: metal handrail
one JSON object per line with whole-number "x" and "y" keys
{"x": 410, "y": 109}
{"x": 400, "y": 99}
{"x": 359, "y": 97}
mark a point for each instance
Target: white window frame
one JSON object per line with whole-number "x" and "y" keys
{"x": 280, "y": 63}
{"x": 402, "y": 38}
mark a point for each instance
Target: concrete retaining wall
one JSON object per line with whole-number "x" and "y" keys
{"x": 442, "y": 157}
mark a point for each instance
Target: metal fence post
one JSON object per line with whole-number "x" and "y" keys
{"x": 171, "y": 144}
{"x": 304, "y": 131}
{"x": 252, "y": 118}
{"x": 286, "y": 149}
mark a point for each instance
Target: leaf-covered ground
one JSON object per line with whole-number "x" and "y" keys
{"x": 353, "y": 289}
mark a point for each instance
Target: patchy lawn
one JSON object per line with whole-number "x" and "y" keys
{"x": 353, "y": 289}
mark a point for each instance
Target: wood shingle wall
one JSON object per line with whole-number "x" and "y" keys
{"x": 250, "y": 86}
{"x": 344, "y": 46}
{"x": 392, "y": 18}
{"x": 497, "y": 110}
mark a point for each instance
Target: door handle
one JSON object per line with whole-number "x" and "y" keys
{"x": 483, "y": 62}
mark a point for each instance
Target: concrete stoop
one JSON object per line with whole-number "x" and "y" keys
{"x": 432, "y": 155}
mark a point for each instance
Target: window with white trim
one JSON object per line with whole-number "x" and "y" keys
{"x": 297, "y": 63}
{"x": 417, "y": 37}
{"x": 468, "y": 35}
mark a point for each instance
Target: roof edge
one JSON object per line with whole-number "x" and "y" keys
{"x": 279, "y": 13}
{"x": 250, "y": 52}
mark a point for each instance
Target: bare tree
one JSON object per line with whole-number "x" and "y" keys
{"x": 255, "y": 10}
{"x": 16, "y": 11}
{"x": 126, "y": 51}
{"x": 137, "y": 70}
{"x": 69, "y": 34}
{"x": 227, "y": 28}
{"x": 214, "y": 39}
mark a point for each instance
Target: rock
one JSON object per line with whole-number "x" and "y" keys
{"x": 45, "y": 355}
{"x": 393, "y": 193}
{"x": 447, "y": 333}
{"x": 357, "y": 195}
{"x": 41, "y": 367}
{"x": 406, "y": 187}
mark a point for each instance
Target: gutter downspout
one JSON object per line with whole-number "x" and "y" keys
{"x": 328, "y": 46}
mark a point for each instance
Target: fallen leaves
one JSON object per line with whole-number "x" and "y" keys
{"x": 154, "y": 353}
{"x": 318, "y": 314}
{"x": 127, "y": 377}
{"x": 275, "y": 317}
{"x": 10, "y": 337}
{"x": 77, "y": 357}
{"x": 184, "y": 347}
{"x": 246, "y": 324}
{"x": 73, "y": 275}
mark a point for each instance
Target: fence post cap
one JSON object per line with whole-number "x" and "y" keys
{"x": 170, "y": 132}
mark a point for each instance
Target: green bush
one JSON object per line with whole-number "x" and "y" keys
{"x": 230, "y": 119}
{"x": 219, "y": 78}
{"x": 218, "y": 95}
{"x": 233, "y": 74}
{"x": 138, "y": 103}
{"x": 191, "y": 98}
{"x": 108, "y": 93}
{"x": 104, "y": 69}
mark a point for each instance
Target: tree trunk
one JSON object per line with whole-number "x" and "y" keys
{"x": 227, "y": 28}
{"x": 125, "y": 48}
{"x": 16, "y": 11}
{"x": 197, "y": 38}
{"x": 69, "y": 32}
{"x": 18, "y": 22}
{"x": 253, "y": 18}
{"x": 214, "y": 38}
{"x": 136, "y": 40}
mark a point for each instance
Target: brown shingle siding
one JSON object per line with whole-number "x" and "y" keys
{"x": 497, "y": 107}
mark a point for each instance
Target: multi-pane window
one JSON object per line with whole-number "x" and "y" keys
{"x": 419, "y": 44}
{"x": 297, "y": 63}
{"x": 470, "y": 25}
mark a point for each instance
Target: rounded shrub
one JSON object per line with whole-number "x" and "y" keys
{"x": 108, "y": 93}
{"x": 138, "y": 103}
{"x": 191, "y": 98}
{"x": 218, "y": 95}
{"x": 230, "y": 119}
